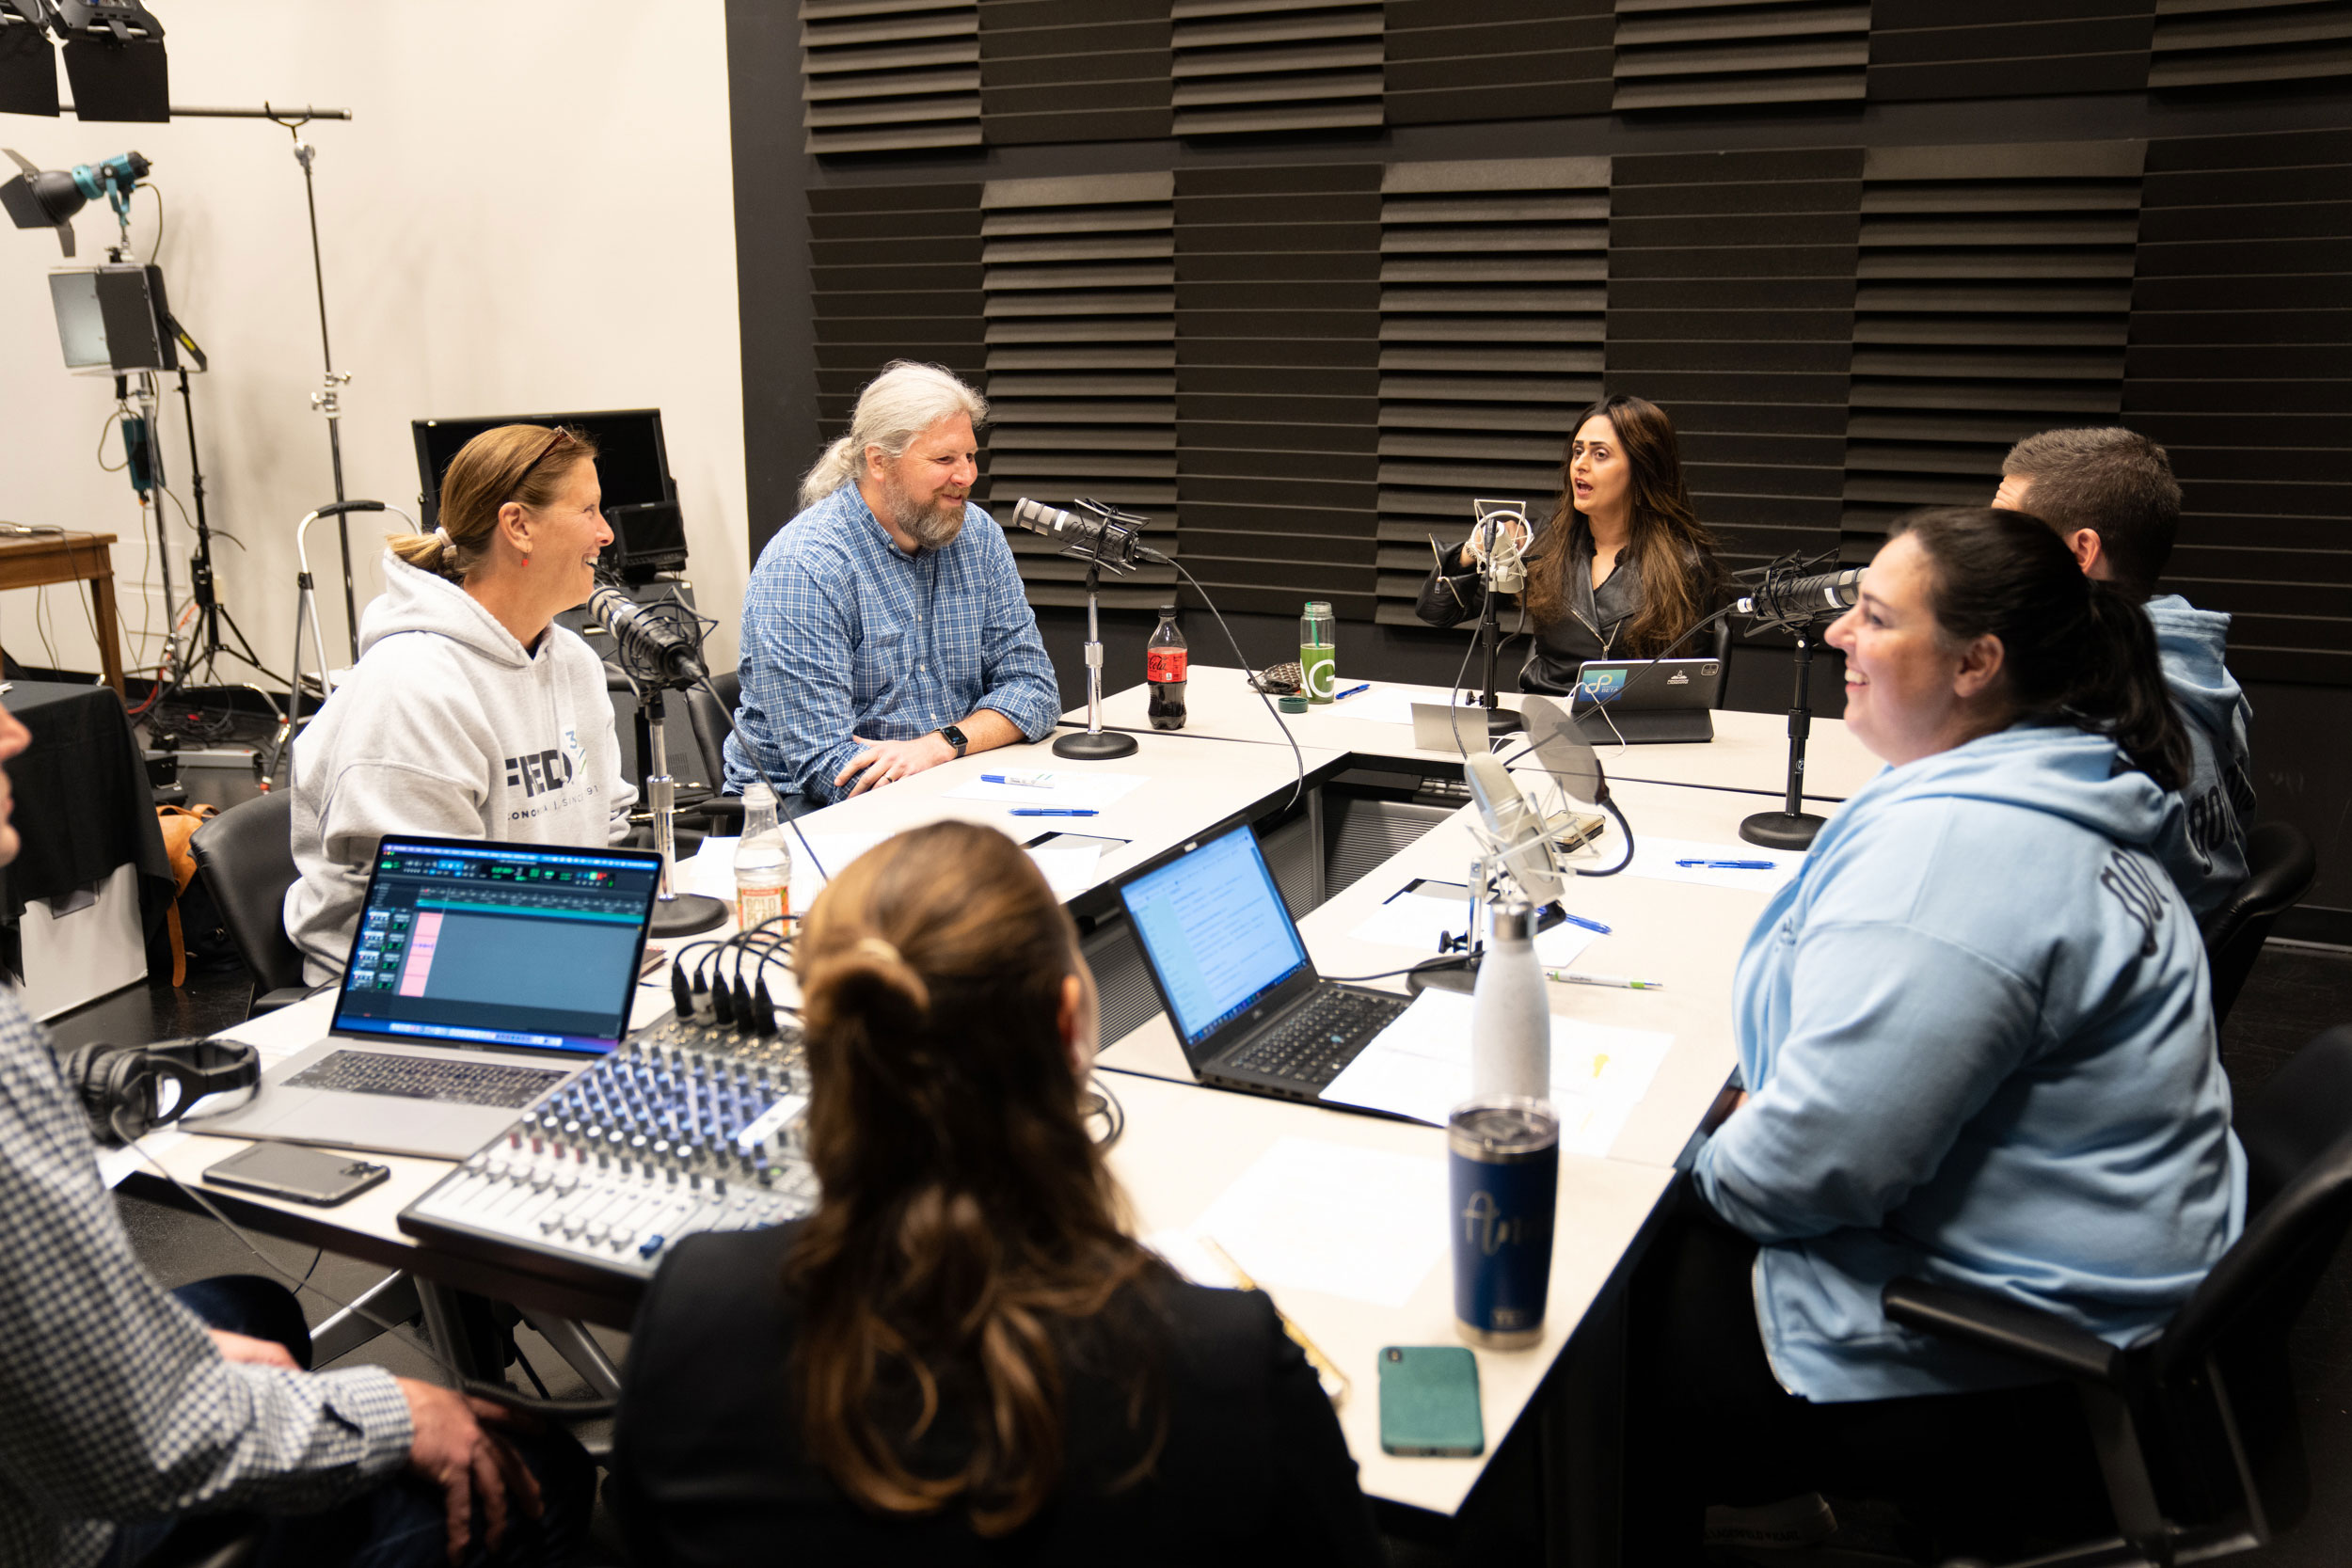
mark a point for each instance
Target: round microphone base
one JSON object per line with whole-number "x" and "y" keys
{"x": 1503, "y": 720}
{"x": 1100, "y": 746}
{"x": 686, "y": 913}
{"x": 1778, "y": 830}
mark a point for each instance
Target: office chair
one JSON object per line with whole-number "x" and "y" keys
{"x": 714, "y": 720}
{"x": 2195, "y": 1424}
{"x": 2279, "y": 870}
{"x": 246, "y": 857}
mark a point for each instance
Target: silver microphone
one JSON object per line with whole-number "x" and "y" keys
{"x": 1799, "y": 601}
{"x": 1109, "y": 540}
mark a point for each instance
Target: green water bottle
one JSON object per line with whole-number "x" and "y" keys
{"x": 1318, "y": 660}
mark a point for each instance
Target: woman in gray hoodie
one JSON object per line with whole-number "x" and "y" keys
{"x": 471, "y": 714}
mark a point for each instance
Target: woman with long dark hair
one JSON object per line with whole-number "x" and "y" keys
{"x": 1622, "y": 569}
{"x": 1978, "y": 1049}
{"x": 964, "y": 1355}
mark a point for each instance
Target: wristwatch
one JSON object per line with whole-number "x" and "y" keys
{"x": 953, "y": 736}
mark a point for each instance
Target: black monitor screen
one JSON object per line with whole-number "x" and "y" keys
{"x": 632, "y": 465}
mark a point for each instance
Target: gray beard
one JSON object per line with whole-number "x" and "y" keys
{"x": 929, "y": 527}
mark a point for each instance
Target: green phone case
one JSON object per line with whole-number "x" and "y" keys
{"x": 1429, "y": 1402}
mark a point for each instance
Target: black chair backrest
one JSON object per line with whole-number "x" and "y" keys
{"x": 2279, "y": 870}
{"x": 2298, "y": 1132}
{"x": 713, "y": 722}
{"x": 246, "y": 857}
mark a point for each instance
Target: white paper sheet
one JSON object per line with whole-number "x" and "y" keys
{"x": 1656, "y": 857}
{"x": 1068, "y": 868}
{"x": 1054, "y": 787}
{"x": 116, "y": 1163}
{"x": 1382, "y": 705}
{"x": 1418, "y": 921}
{"x": 1359, "y": 1223}
{"x": 1419, "y": 1067}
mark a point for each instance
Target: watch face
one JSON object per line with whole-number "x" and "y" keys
{"x": 954, "y": 737}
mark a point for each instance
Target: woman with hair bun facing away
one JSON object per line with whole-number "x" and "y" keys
{"x": 1978, "y": 1049}
{"x": 962, "y": 1357}
{"x": 1624, "y": 569}
{"x": 471, "y": 714}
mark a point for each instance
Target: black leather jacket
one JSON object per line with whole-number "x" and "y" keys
{"x": 1452, "y": 595}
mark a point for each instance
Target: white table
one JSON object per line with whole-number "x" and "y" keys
{"x": 1685, "y": 936}
{"x": 1750, "y": 751}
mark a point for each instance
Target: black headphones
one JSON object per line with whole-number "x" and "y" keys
{"x": 121, "y": 1085}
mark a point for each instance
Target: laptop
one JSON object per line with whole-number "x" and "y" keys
{"x": 480, "y": 976}
{"x": 1245, "y": 999}
{"x": 1645, "y": 702}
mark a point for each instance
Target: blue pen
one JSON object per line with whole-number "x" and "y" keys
{"x": 1052, "y": 811}
{"x": 1733, "y": 866}
{"x": 1580, "y": 920}
{"x": 1024, "y": 780}
{"x": 1339, "y": 696}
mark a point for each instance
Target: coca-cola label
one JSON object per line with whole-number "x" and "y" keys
{"x": 1164, "y": 664}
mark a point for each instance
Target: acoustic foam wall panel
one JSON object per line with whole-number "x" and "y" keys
{"x": 1677, "y": 54}
{"x": 1494, "y": 285}
{"x": 1500, "y": 59}
{"x": 1074, "y": 71}
{"x": 1923, "y": 49}
{"x": 1277, "y": 336}
{"x": 895, "y": 275}
{"x": 1993, "y": 300}
{"x": 2202, "y": 44}
{"x": 1731, "y": 303}
{"x": 889, "y": 75}
{"x": 1080, "y": 291}
{"x": 2241, "y": 364}
{"x": 1251, "y": 66}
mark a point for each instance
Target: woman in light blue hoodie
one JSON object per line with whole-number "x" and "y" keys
{"x": 1977, "y": 1043}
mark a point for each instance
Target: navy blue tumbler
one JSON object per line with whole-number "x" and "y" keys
{"x": 1503, "y": 1153}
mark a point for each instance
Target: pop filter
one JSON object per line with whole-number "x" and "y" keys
{"x": 1562, "y": 751}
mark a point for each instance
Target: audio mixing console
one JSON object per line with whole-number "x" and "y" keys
{"x": 687, "y": 1127}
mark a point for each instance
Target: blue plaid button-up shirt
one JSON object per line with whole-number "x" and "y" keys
{"x": 844, "y": 635}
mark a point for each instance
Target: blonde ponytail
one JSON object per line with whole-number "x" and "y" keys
{"x": 836, "y": 467}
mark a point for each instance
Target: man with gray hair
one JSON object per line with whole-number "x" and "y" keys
{"x": 2110, "y": 495}
{"x": 884, "y": 628}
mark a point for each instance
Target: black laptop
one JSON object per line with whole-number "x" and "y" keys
{"x": 1641, "y": 701}
{"x": 1237, "y": 981}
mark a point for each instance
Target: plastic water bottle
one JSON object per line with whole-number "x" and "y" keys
{"x": 1510, "y": 1020}
{"x": 1166, "y": 665}
{"x": 763, "y": 861}
{"x": 1318, "y": 660}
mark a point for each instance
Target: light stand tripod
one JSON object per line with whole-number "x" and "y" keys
{"x": 1792, "y": 827}
{"x": 327, "y": 400}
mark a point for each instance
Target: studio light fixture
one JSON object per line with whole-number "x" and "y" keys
{"x": 48, "y": 198}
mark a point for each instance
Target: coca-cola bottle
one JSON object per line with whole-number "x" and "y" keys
{"x": 1166, "y": 666}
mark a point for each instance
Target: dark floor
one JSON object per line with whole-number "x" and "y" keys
{"x": 2293, "y": 993}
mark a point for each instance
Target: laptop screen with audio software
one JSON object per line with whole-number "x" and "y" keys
{"x": 1213, "y": 925}
{"x": 499, "y": 944}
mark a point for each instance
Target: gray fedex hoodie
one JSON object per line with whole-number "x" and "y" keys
{"x": 2219, "y": 791}
{"x": 446, "y": 726}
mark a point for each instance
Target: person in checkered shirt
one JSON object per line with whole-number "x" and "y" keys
{"x": 885, "y": 630}
{"x": 127, "y": 1412}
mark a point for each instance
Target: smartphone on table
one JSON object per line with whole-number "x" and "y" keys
{"x": 1429, "y": 1402}
{"x": 297, "y": 1172}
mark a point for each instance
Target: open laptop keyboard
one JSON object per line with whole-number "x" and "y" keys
{"x": 1318, "y": 1039}
{"x": 438, "y": 1078}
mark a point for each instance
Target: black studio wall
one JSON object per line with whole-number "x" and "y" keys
{"x": 1299, "y": 279}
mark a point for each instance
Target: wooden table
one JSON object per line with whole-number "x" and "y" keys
{"x": 46, "y": 560}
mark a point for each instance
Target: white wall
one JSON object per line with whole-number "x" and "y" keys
{"x": 531, "y": 209}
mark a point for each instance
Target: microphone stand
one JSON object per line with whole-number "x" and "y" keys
{"x": 1500, "y": 720}
{"x": 675, "y": 914}
{"x": 1792, "y": 827}
{"x": 1097, "y": 744}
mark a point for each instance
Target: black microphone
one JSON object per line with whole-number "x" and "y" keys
{"x": 1109, "y": 538}
{"x": 647, "y": 639}
{"x": 1797, "y": 601}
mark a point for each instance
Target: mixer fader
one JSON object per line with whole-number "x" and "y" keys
{"x": 689, "y": 1127}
